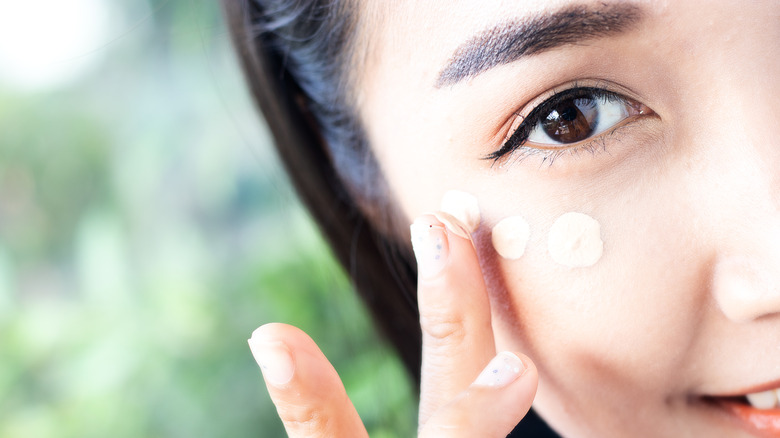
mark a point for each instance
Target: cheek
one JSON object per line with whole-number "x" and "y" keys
{"x": 616, "y": 326}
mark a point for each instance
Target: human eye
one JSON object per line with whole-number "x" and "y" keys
{"x": 569, "y": 120}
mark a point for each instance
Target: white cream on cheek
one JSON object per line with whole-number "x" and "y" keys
{"x": 510, "y": 237}
{"x": 463, "y": 206}
{"x": 575, "y": 240}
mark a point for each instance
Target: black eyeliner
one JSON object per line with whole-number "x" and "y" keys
{"x": 520, "y": 136}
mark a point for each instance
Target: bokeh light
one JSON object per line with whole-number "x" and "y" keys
{"x": 49, "y": 42}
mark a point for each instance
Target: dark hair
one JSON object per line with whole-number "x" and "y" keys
{"x": 295, "y": 55}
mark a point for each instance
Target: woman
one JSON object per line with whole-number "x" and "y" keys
{"x": 612, "y": 175}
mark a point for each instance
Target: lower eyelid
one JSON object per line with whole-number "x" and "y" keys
{"x": 549, "y": 154}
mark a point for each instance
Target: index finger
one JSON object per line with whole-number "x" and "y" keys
{"x": 454, "y": 310}
{"x": 304, "y": 386}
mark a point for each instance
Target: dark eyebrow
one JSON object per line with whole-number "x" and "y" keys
{"x": 507, "y": 42}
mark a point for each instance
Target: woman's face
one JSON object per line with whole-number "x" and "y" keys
{"x": 682, "y": 172}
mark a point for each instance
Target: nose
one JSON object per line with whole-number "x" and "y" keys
{"x": 746, "y": 273}
{"x": 746, "y": 287}
{"x": 745, "y": 197}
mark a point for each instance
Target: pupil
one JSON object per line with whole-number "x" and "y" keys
{"x": 570, "y": 113}
{"x": 572, "y": 120}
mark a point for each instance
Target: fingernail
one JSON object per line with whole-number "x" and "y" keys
{"x": 504, "y": 369}
{"x": 274, "y": 360}
{"x": 431, "y": 248}
{"x": 453, "y": 224}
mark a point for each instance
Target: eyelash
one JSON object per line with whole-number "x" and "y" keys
{"x": 518, "y": 139}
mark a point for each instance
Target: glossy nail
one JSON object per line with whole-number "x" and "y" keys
{"x": 504, "y": 369}
{"x": 274, "y": 359}
{"x": 453, "y": 225}
{"x": 431, "y": 248}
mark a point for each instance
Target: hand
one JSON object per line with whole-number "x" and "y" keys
{"x": 466, "y": 388}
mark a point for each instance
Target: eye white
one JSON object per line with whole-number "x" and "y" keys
{"x": 609, "y": 112}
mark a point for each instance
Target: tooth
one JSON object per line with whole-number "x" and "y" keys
{"x": 777, "y": 396}
{"x": 763, "y": 400}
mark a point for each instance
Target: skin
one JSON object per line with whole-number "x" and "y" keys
{"x": 688, "y": 197}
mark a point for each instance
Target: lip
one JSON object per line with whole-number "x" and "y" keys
{"x": 764, "y": 423}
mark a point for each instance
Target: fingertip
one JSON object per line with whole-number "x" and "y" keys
{"x": 273, "y": 356}
{"x": 453, "y": 225}
{"x": 505, "y": 368}
{"x": 305, "y": 388}
{"x": 530, "y": 373}
{"x": 259, "y": 333}
{"x": 275, "y": 347}
{"x": 433, "y": 234}
{"x": 502, "y": 370}
{"x": 274, "y": 331}
{"x": 493, "y": 404}
{"x": 513, "y": 372}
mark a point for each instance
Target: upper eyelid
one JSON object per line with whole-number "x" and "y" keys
{"x": 594, "y": 84}
{"x": 556, "y": 96}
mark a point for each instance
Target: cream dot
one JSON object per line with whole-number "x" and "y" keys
{"x": 463, "y": 206}
{"x": 510, "y": 237}
{"x": 575, "y": 240}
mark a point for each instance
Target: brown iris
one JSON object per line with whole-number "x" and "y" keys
{"x": 571, "y": 120}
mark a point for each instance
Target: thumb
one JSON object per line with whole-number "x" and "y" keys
{"x": 492, "y": 405}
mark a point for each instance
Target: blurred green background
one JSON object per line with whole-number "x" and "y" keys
{"x": 146, "y": 229}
